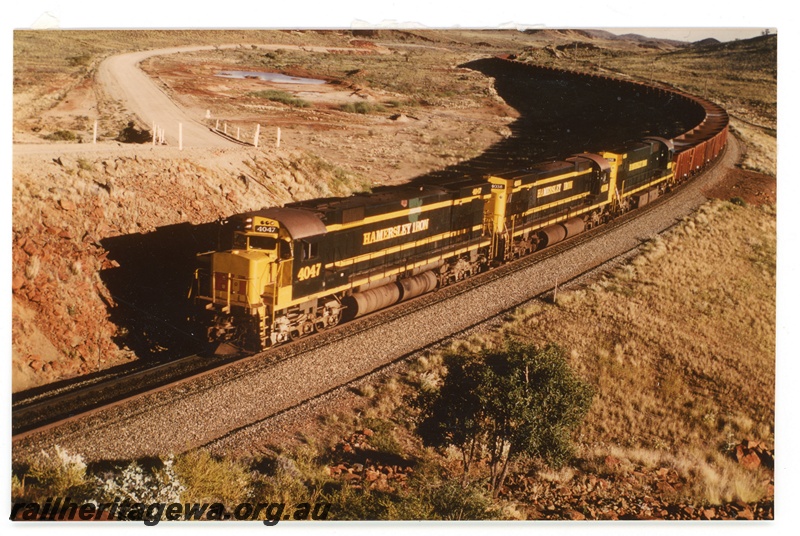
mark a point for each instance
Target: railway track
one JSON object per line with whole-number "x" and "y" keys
{"x": 241, "y": 440}
{"x": 44, "y": 410}
{"x": 148, "y": 410}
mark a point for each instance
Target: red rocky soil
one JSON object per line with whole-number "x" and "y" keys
{"x": 70, "y": 200}
{"x": 617, "y": 491}
{"x": 749, "y": 186}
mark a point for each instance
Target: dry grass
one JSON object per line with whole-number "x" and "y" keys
{"x": 680, "y": 345}
{"x": 713, "y": 477}
{"x": 65, "y": 58}
{"x": 433, "y": 80}
{"x": 759, "y": 147}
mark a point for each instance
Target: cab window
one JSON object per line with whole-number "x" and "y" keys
{"x": 263, "y": 242}
{"x": 306, "y": 250}
{"x": 239, "y": 241}
{"x": 286, "y": 249}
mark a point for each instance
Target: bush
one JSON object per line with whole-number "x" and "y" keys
{"x": 361, "y": 108}
{"x": 428, "y": 495}
{"x": 81, "y": 60}
{"x": 61, "y": 135}
{"x": 132, "y": 134}
{"x": 208, "y": 479}
{"x": 384, "y": 439}
{"x": 282, "y": 97}
{"x": 54, "y": 474}
{"x": 503, "y": 403}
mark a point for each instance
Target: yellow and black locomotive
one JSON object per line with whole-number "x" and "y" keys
{"x": 307, "y": 266}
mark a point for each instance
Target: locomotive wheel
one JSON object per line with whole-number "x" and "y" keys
{"x": 334, "y": 320}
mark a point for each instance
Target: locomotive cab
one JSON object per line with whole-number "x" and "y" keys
{"x": 244, "y": 288}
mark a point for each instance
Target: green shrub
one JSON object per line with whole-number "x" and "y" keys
{"x": 502, "y": 403}
{"x": 85, "y": 165}
{"x": 55, "y": 473}
{"x": 361, "y": 108}
{"x": 282, "y": 97}
{"x": 384, "y": 439}
{"x": 61, "y": 135}
{"x": 208, "y": 479}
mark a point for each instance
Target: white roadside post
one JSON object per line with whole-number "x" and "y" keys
{"x": 94, "y": 133}
{"x": 278, "y": 140}
{"x": 255, "y": 137}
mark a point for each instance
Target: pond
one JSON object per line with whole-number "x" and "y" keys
{"x": 269, "y": 77}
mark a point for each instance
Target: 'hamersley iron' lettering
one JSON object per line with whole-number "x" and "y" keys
{"x": 397, "y": 230}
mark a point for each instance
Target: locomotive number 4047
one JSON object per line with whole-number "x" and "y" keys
{"x": 307, "y": 272}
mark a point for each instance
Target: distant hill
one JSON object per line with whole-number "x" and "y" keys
{"x": 706, "y": 42}
{"x": 651, "y": 40}
{"x": 762, "y": 48}
{"x": 600, "y": 35}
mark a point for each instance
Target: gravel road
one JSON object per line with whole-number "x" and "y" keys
{"x": 123, "y": 80}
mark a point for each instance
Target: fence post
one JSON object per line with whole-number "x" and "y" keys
{"x": 255, "y": 138}
{"x": 278, "y": 141}
{"x": 155, "y": 133}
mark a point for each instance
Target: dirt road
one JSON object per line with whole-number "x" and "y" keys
{"x": 122, "y": 79}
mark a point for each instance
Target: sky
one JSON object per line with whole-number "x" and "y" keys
{"x": 695, "y": 34}
{"x": 443, "y": 14}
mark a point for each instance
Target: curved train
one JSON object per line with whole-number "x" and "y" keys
{"x": 290, "y": 271}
